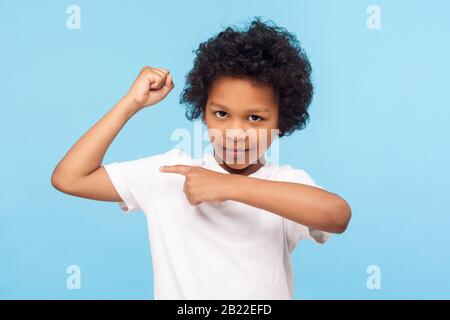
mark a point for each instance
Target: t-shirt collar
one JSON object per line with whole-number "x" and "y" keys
{"x": 211, "y": 162}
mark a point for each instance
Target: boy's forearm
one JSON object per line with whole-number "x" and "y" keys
{"x": 86, "y": 155}
{"x": 301, "y": 203}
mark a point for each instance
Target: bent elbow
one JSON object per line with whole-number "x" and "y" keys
{"x": 342, "y": 214}
{"x": 56, "y": 181}
{"x": 60, "y": 182}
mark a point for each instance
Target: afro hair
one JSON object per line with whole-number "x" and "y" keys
{"x": 264, "y": 53}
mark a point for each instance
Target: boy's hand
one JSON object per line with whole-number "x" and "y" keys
{"x": 151, "y": 86}
{"x": 203, "y": 185}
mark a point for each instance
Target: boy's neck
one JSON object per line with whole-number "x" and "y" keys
{"x": 252, "y": 168}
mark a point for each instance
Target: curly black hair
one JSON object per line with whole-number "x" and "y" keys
{"x": 264, "y": 53}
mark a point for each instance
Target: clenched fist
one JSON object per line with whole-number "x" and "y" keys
{"x": 151, "y": 86}
{"x": 203, "y": 185}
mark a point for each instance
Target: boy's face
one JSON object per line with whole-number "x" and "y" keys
{"x": 241, "y": 115}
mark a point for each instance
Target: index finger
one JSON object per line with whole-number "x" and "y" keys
{"x": 178, "y": 168}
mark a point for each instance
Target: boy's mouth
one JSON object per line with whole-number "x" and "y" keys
{"x": 235, "y": 150}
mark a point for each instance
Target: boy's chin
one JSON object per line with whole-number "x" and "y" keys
{"x": 237, "y": 166}
{"x": 237, "y": 163}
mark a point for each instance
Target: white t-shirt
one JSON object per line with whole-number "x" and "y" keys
{"x": 226, "y": 250}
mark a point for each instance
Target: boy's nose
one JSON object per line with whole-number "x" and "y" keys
{"x": 236, "y": 133}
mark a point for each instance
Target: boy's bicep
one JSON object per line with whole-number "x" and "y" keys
{"x": 96, "y": 186}
{"x": 99, "y": 186}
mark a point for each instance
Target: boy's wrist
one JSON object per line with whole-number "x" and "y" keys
{"x": 130, "y": 105}
{"x": 236, "y": 185}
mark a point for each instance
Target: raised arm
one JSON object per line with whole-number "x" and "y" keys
{"x": 80, "y": 173}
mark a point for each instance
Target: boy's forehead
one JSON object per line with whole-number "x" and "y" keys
{"x": 228, "y": 92}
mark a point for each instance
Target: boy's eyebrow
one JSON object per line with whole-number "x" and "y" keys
{"x": 249, "y": 110}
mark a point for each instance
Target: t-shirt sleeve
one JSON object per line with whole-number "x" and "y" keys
{"x": 126, "y": 177}
{"x": 136, "y": 180}
{"x": 294, "y": 231}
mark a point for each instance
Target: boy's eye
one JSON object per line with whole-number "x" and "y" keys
{"x": 255, "y": 118}
{"x": 220, "y": 114}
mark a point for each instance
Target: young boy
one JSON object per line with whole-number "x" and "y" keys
{"x": 219, "y": 228}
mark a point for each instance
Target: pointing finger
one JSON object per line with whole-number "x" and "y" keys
{"x": 179, "y": 168}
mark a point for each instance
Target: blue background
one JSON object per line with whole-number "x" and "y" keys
{"x": 378, "y": 136}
